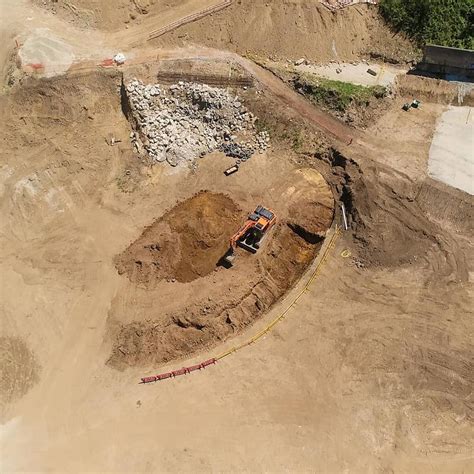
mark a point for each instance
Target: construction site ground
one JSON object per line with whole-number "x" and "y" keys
{"x": 370, "y": 370}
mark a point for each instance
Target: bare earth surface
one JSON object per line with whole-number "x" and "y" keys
{"x": 371, "y": 371}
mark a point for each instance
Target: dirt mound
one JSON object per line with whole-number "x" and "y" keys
{"x": 390, "y": 222}
{"x": 185, "y": 244}
{"x": 295, "y": 28}
{"x": 18, "y": 369}
{"x": 309, "y": 219}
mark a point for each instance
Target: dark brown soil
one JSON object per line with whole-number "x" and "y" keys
{"x": 185, "y": 244}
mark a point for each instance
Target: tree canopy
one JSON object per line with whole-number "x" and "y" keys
{"x": 442, "y": 22}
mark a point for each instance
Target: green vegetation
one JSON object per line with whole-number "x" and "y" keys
{"x": 442, "y": 22}
{"x": 336, "y": 95}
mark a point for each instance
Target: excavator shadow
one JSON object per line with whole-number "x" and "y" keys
{"x": 224, "y": 262}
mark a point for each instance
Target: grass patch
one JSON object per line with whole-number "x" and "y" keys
{"x": 336, "y": 95}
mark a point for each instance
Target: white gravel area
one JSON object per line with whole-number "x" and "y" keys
{"x": 44, "y": 48}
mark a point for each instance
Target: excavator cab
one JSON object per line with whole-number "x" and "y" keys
{"x": 251, "y": 234}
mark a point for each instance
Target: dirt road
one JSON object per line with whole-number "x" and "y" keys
{"x": 294, "y": 101}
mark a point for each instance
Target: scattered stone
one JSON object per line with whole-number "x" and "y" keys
{"x": 186, "y": 121}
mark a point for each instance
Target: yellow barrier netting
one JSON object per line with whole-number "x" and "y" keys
{"x": 313, "y": 276}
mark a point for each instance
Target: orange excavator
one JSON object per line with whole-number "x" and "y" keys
{"x": 251, "y": 234}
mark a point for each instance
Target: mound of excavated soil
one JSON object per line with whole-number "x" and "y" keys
{"x": 283, "y": 28}
{"x": 185, "y": 244}
{"x": 295, "y": 29}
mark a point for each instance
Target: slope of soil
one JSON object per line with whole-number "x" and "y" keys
{"x": 296, "y": 28}
{"x": 185, "y": 244}
{"x": 283, "y": 29}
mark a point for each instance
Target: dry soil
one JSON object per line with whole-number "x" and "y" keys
{"x": 371, "y": 371}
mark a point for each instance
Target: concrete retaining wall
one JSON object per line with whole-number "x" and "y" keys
{"x": 442, "y": 60}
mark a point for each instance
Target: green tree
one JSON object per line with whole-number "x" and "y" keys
{"x": 443, "y": 22}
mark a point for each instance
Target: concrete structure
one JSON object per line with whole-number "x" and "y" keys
{"x": 451, "y": 157}
{"x": 444, "y": 61}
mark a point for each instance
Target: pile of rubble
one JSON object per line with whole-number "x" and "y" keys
{"x": 185, "y": 121}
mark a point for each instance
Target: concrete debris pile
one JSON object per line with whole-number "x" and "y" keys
{"x": 185, "y": 121}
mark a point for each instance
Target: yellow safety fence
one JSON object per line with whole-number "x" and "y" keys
{"x": 313, "y": 276}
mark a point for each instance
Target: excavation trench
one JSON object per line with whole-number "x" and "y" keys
{"x": 183, "y": 245}
{"x": 178, "y": 255}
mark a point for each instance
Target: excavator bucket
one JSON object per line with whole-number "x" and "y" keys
{"x": 229, "y": 258}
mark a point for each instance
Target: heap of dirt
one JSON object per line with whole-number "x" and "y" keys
{"x": 390, "y": 226}
{"x": 295, "y": 28}
{"x": 185, "y": 244}
{"x": 282, "y": 29}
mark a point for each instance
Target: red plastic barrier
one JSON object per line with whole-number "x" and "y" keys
{"x": 149, "y": 379}
{"x": 167, "y": 375}
{"x": 175, "y": 373}
{"x": 179, "y": 372}
{"x": 192, "y": 368}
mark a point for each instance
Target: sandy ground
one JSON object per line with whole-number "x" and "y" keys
{"x": 370, "y": 372}
{"x": 291, "y": 29}
{"x": 45, "y": 39}
{"x": 452, "y": 150}
{"x": 355, "y": 73}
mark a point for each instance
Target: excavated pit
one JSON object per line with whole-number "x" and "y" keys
{"x": 185, "y": 244}
{"x": 84, "y": 203}
{"x": 190, "y": 302}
